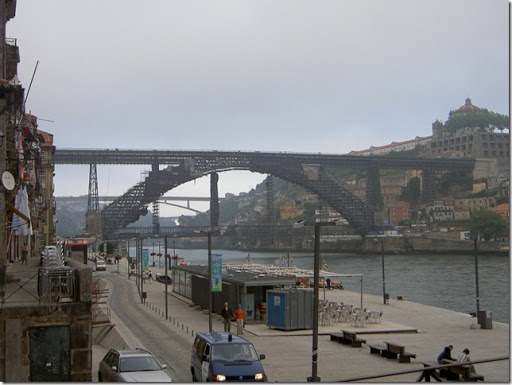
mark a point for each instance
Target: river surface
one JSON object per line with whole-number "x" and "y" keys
{"x": 445, "y": 281}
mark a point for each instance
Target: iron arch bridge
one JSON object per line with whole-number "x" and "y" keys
{"x": 308, "y": 170}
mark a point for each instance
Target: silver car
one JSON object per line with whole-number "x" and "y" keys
{"x": 137, "y": 365}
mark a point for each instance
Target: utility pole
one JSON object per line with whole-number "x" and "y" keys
{"x": 3, "y": 213}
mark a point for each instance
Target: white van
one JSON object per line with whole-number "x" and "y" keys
{"x": 101, "y": 265}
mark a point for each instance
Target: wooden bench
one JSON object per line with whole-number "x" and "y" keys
{"x": 378, "y": 349}
{"x": 394, "y": 350}
{"x": 429, "y": 372}
{"x": 350, "y": 338}
{"x": 336, "y": 337}
{"x": 464, "y": 371}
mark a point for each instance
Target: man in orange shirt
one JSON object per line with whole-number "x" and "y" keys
{"x": 239, "y": 315}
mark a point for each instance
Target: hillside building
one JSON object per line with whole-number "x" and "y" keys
{"x": 442, "y": 211}
{"x": 473, "y": 142}
{"x": 398, "y": 212}
{"x": 503, "y": 210}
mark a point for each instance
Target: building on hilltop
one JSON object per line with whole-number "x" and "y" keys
{"x": 395, "y": 146}
{"x": 473, "y": 142}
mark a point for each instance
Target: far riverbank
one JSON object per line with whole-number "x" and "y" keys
{"x": 389, "y": 244}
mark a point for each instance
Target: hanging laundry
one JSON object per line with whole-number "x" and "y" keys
{"x": 21, "y": 226}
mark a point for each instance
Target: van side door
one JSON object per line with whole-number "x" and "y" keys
{"x": 205, "y": 365}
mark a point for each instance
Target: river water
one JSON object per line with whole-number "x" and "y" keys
{"x": 445, "y": 281}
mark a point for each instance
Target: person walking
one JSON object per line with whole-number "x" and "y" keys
{"x": 150, "y": 276}
{"x": 227, "y": 315}
{"x": 24, "y": 254}
{"x": 240, "y": 319}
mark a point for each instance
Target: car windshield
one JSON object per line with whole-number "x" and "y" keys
{"x": 138, "y": 364}
{"x": 234, "y": 352}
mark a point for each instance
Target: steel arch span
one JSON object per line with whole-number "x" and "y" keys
{"x": 304, "y": 169}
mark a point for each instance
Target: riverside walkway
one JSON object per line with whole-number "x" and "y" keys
{"x": 423, "y": 330}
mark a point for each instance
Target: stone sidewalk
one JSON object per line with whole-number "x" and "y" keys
{"x": 422, "y": 329}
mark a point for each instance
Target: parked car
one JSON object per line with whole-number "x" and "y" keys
{"x": 137, "y": 365}
{"x": 101, "y": 265}
{"x": 225, "y": 357}
{"x": 162, "y": 278}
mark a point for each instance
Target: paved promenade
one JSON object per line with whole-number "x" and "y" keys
{"x": 422, "y": 329}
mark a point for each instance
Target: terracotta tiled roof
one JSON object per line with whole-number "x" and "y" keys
{"x": 391, "y": 145}
{"x": 468, "y": 106}
{"x": 502, "y": 207}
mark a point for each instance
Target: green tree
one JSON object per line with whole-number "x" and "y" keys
{"x": 482, "y": 119}
{"x": 309, "y": 211}
{"x": 411, "y": 192}
{"x": 452, "y": 183}
{"x": 110, "y": 247}
{"x": 488, "y": 224}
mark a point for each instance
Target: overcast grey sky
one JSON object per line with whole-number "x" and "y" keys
{"x": 264, "y": 75}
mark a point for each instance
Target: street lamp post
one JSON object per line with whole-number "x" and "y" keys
{"x": 210, "y": 305}
{"x": 210, "y": 281}
{"x": 159, "y": 255}
{"x": 128, "y": 258}
{"x": 166, "y": 259}
{"x": 138, "y": 275}
{"x": 141, "y": 273}
{"x": 383, "y": 274}
{"x": 476, "y": 281}
{"x": 316, "y": 289}
{"x": 175, "y": 259}
{"x": 316, "y": 275}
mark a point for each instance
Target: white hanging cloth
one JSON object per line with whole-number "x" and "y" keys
{"x": 20, "y": 226}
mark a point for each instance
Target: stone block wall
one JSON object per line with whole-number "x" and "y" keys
{"x": 19, "y": 319}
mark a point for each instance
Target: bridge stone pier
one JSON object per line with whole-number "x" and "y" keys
{"x": 309, "y": 170}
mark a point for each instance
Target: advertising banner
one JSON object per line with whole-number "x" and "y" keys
{"x": 216, "y": 272}
{"x": 145, "y": 259}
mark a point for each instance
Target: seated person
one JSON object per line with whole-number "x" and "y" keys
{"x": 446, "y": 354}
{"x": 464, "y": 357}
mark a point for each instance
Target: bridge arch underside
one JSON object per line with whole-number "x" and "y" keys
{"x": 134, "y": 203}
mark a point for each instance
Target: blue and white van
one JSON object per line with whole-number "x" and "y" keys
{"x": 225, "y": 357}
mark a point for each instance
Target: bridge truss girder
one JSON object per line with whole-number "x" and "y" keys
{"x": 303, "y": 169}
{"x": 315, "y": 179}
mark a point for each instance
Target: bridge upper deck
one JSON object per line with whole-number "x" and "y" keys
{"x": 242, "y": 160}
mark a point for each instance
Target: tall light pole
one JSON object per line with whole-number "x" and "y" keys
{"x": 141, "y": 272}
{"x": 476, "y": 280}
{"x": 316, "y": 289}
{"x": 316, "y": 275}
{"x": 210, "y": 304}
{"x": 384, "y": 301}
{"x": 128, "y": 257}
{"x": 383, "y": 274}
{"x": 166, "y": 259}
{"x": 175, "y": 259}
